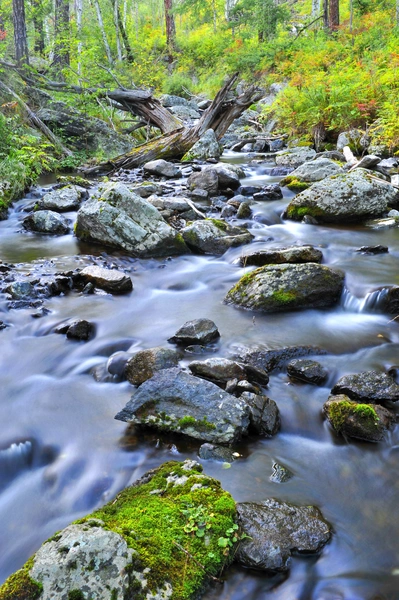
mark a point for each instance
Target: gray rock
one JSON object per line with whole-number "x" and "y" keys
{"x": 228, "y": 211}
{"x": 378, "y": 249}
{"x": 47, "y": 221}
{"x": 110, "y": 280}
{"x": 290, "y": 254}
{"x": 287, "y": 287}
{"x": 213, "y": 452}
{"x": 19, "y": 290}
{"x": 145, "y": 363}
{"x": 333, "y": 154}
{"x": 276, "y": 530}
{"x": 217, "y": 369}
{"x": 355, "y": 139}
{"x": 270, "y": 360}
{"x": 175, "y": 401}
{"x": 354, "y": 196}
{"x": 162, "y": 168}
{"x": 309, "y": 371}
{"x": 388, "y": 166}
{"x": 83, "y": 557}
{"x": 269, "y": 192}
{"x": 294, "y": 156}
{"x": 198, "y": 331}
{"x": 116, "y": 364}
{"x": 147, "y": 189}
{"x": 213, "y": 236}
{"x": 169, "y": 100}
{"x": 206, "y": 180}
{"x": 316, "y": 170}
{"x": 368, "y": 387}
{"x": 184, "y": 112}
{"x": 367, "y": 162}
{"x": 280, "y": 474}
{"x": 64, "y": 199}
{"x": 227, "y": 177}
{"x": 360, "y": 421}
{"x": 120, "y": 219}
{"x": 198, "y": 194}
{"x": 265, "y": 415}
{"x": 206, "y": 147}
{"x": 81, "y": 330}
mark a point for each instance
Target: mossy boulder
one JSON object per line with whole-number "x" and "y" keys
{"x": 285, "y": 287}
{"x": 214, "y": 236}
{"x": 273, "y": 256}
{"x": 312, "y": 171}
{"x": 158, "y": 539}
{"x": 356, "y": 420}
{"x": 344, "y": 197}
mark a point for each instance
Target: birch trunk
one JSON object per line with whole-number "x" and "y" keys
{"x": 103, "y": 33}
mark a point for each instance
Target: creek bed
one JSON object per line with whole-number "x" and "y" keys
{"x": 62, "y": 453}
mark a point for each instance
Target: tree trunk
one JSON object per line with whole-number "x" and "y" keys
{"x": 116, "y": 23}
{"x": 315, "y": 8}
{"x": 20, "y": 39}
{"x": 61, "y": 58}
{"x": 103, "y": 33}
{"x": 333, "y": 17}
{"x": 325, "y": 14}
{"x": 219, "y": 116}
{"x": 126, "y": 43}
{"x": 78, "y": 15}
{"x": 37, "y": 18}
{"x": 170, "y": 28}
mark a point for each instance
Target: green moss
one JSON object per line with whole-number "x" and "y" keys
{"x": 153, "y": 525}
{"x": 76, "y": 595}
{"x": 284, "y": 297}
{"x": 294, "y": 184}
{"x": 20, "y": 586}
{"x": 202, "y": 424}
{"x": 222, "y": 225}
{"x": 74, "y": 180}
{"x": 298, "y": 212}
{"x": 341, "y": 410}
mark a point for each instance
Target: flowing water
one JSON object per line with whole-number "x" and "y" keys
{"x": 62, "y": 454}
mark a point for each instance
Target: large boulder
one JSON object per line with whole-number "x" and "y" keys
{"x": 47, "y": 221}
{"x": 214, "y": 236}
{"x": 137, "y": 545}
{"x": 121, "y": 219}
{"x": 287, "y": 287}
{"x": 294, "y": 156}
{"x": 354, "y": 196}
{"x": 367, "y": 422}
{"x": 206, "y": 147}
{"x": 315, "y": 170}
{"x": 175, "y": 401}
{"x": 64, "y": 199}
{"x": 278, "y": 256}
{"x": 276, "y": 530}
{"x": 368, "y": 387}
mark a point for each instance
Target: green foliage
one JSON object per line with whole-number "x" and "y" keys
{"x": 20, "y": 586}
{"x": 178, "y": 84}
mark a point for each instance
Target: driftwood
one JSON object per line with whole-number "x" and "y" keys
{"x": 218, "y": 116}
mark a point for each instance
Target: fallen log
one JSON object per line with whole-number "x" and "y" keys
{"x": 218, "y": 116}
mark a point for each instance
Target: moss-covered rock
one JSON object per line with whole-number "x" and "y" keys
{"x": 284, "y": 287}
{"x": 171, "y": 522}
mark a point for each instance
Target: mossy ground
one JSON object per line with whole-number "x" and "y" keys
{"x": 341, "y": 410}
{"x": 20, "y": 586}
{"x": 154, "y": 523}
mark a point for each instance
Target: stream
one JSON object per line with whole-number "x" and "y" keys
{"x": 62, "y": 454}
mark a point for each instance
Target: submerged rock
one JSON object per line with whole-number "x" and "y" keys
{"x": 120, "y": 219}
{"x": 356, "y": 420}
{"x": 110, "y": 280}
{"x": 276, "y": 530}
{"x": 213, "y": 236}
{"x": 309, "y": 371}
{"x": 369, "y": 387}
{"x": 213, "y": 452}
{"x": 290, "y": 254}
{"x": 197, "y": 331}
{"x": 137, "y": 545}
{"x": 280, "y": 474}
{"x": 145, "y": 363}
{"x": 47, "y": 221}
{"x": 287, "y": 287}
{"x": 354, "y": 196}
{"x": 175, "y": 401}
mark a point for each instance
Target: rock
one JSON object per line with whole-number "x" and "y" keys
{"x": 175, "y": 401}
{"x": 309, "y": 371}
{"x": 367, "y": 162}
{"x": 198, "y": 331}
{"x": 290, "y": 254}
{"x": 198, "y": 194}
{"x": 287, "y": 287}
{"x": 162, "y": 168}
{"x": 294, "y": 156}
{"x": 388, "y": 166}
{"x": 120, "y": 219}
{"x": 147, "y": 189}
{"x": 280, "y": 474}
{"x": 276, "y": 530}
{"x": 269, "y": 192}
{"x": 379, "y": 249}
{"x": 47, "y": 221}
{"x": 227, "y": 177}
{"x": 264, "y": 414}
{"x": 217, "y": 369}
{"x": 78, "y": 330}
{"x": 228, "y": 211}
{"x": 213, "y": 452}
{"x": 123, "y": 550}
{"x": 110, "y": 280}
{"x": 206, "y": 180}
{"x": 83, "y": 132}
{"x": 145, "y": 363}
{"x": 354, "y": 196}
{"x": 332, "y": 154}
{"x": 249, "y": 190}
{"x": 244, "y": 211}
{"x": 185, "y": 112}
{"x": 116, "y": 364}
{"x": 355, "y": 139}
{"x": 315, "y": 170}
{"x": 175, "y": 205}
{"x": 269, "y": 360}
{"x": 169, "y": 100}
{"x": 206, "y": 147}
{"x": 368, "y": 387}
{"x": 213, "y": 236}
{"x": 360, "y": 421}
{"x": 64, "y": 199}
{"x": 20, "y": 290}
